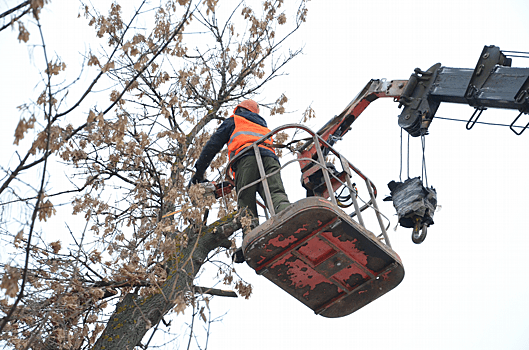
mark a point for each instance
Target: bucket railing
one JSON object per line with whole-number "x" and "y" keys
{"x": 333, "y": 181}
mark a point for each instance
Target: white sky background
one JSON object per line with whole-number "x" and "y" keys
{"x": 466, "y": 286}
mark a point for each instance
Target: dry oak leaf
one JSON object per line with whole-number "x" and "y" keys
{"x": 18, "y": 238}
{"x": 23, "y": 34}
{"x": 23, "y": 127}
{"x": 93, "y": 61}
{"x": 56, "y": 246}
{"x": 180, "y": 305}
{"x": 10, "y": 281}
{"x": 46, "y": 211}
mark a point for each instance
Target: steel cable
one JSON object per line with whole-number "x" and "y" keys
{"x": 478, "y": 122}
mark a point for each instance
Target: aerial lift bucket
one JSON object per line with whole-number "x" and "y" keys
{"x": 318, "y": 254}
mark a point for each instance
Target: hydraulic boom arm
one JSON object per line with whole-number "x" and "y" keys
{"x": 493, "y": 83}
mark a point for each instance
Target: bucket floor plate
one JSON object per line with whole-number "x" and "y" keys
{"x": 318, "y": 254}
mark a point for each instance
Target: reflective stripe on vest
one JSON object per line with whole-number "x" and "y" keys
{"x": 246, "y": 133}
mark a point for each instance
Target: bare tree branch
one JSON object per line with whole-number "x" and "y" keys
{"x": 128, "y": 165}
{"x": 40, "y": 196}
{"x": 18, "y": 7}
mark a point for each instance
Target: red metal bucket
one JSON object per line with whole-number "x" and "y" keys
{"x": 319, "y": 255}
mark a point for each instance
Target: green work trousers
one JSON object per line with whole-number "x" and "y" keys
{"x": 247, "y": 171}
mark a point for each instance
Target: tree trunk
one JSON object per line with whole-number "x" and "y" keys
{"x": 135, "y": 315}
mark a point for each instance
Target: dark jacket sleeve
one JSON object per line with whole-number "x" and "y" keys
{"x": 213, "y": 146}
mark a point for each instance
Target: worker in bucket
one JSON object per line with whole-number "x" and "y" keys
{"x": 240, "y": 131}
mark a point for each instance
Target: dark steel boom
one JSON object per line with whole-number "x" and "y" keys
{"x": 493, "y": 83}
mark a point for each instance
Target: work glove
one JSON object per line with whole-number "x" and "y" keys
{"x": 195, "y": 180}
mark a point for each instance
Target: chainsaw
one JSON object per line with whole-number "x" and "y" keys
{"x": 217, "y": 189}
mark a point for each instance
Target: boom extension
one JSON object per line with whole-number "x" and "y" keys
{"x": 493, "y": 83}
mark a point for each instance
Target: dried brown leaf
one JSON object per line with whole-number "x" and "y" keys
{"x": 56, "y": 246}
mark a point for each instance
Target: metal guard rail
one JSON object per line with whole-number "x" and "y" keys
{"x": 346, "y": 165}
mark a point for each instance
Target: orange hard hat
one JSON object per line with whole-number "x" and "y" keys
{"x": 250, "y": 105}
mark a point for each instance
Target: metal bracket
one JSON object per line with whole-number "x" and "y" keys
{"x": 514, "y": 121}
{"x": 419, "y": 106}
{"x": 491, "y": 56}
{"x": 472, "y": 121}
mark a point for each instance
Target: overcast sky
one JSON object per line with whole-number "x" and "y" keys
{"x": 466, "y": 286}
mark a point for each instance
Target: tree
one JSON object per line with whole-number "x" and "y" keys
{"x": 173, "y": 69}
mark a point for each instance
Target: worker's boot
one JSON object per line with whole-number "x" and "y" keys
{"x": 238, "y": 256}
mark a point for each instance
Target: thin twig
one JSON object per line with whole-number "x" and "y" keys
{"x": 39, "y": 198}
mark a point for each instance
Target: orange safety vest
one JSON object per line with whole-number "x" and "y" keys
{"x": 246, "y": 133}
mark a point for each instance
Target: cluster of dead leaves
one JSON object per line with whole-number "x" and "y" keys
{"x": 134, "y": 164}
{"x": 279, "y": 105}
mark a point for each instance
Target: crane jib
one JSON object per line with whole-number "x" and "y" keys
{"x": 493, "y": 83}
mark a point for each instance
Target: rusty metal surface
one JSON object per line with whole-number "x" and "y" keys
{"x": 375, "y": 88}
{"x": 319, "y": 255}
